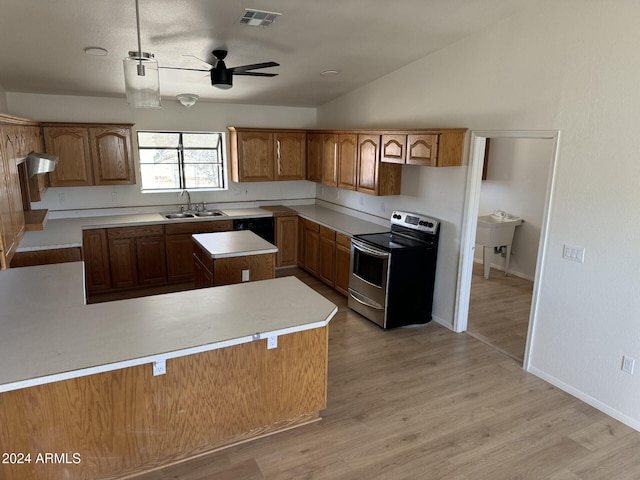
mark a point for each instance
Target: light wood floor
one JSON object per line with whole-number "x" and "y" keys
{"x": 426, "y": 403}
{"x": 499, "y": 311}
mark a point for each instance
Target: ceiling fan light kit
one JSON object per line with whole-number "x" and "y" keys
{"x": 141, "y": 79}
{"x": 187, "y": 99}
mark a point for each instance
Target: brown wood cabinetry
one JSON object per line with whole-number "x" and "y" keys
{"x": 12, "y": 224}
{"x": 314, "y": 157}
{"x": 137, "y": 256}
{"x": 438, "y": 148}
{"x": 330, "y": 159}
{"x": 179, "y": 245}
{"x": 95, "y": 251}
{"x": 347, "y": 160}
{"x": 327, "y": 256}
{"x": 324, "y": 253}
{"x": 90, "y": 154}
{"x": 286, "y": 240}
{"x": 343, "y": 263}
{"x": 311, "y": 246}
{"x": 259, "y": 155}
{"x": 375, "y": 177}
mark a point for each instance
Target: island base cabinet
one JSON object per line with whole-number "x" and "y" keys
{"x": 227, "y": 271}
{"x": 127, "y": 421}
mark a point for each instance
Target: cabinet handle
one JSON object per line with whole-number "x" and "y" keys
{"x": 278, "y": 152}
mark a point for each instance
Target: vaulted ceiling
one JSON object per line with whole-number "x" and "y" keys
{"x": 42, "y": 42}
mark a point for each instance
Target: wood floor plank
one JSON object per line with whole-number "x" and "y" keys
{"x": 427, "y": 403}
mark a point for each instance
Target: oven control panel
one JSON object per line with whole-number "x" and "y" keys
{"x": 415, "y": 221}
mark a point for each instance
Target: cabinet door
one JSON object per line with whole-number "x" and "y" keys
{"x": 368, "y": 156}
{"x": 179, "y": 258}
{"x": 202, "y": 277}
{"x": 347, "y": 160}
{"x": 301, "y": 240}
{"x": 394, "y": 149}
{"x": 286, "y": 241}
{"x": 71, "y": 144}
{"x": 95, "y": 253}
{"x": 123, "y": 261}
{"x": 327, "y": 262}
{"x": 255, "y": 156}
{"x": 330, "y": 160}
{"x": 12, "y": 224}
{"x": 311, "y": 246}
{"x": 290, "y": 155}
{"x": 314, "y": 157}
{"x": 422, "y": 150}
{"x": 343, "y": 259}
{"x": 151, "y": 260}
{"x": 112, "y": 156}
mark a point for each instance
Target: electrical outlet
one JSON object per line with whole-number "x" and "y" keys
{"x": 272, "y": 342}
{"x": 628, "y": 364}
{"x": 574, "y": 253}
{"x": 61, "y": 197}
{"x": 159, "y": 367}
{"x": 114, "y": 196}
{"x": 245, "y": 275}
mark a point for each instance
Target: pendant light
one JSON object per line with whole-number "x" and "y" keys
{"x": 141, "y": 75}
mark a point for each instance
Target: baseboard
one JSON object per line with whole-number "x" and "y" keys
{"x": 612, "y": 412}
{"x": 442, "y": 321}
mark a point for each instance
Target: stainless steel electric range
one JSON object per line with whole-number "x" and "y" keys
{"x": 393, "y": 273}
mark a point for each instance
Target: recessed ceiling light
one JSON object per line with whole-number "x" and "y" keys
{"x": 257, "y": 18}
{"x": 330, "y": 73}
{"x": 96, "y": 51}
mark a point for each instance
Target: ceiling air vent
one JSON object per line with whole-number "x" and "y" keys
{"x": 257, "y": 18}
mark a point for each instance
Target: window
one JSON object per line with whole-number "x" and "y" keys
{"x": 173, "y": 161}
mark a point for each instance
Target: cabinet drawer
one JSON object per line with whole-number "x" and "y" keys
{"x": 198, "y": 227}
{"x": 343, "y": 240}
{"x": 311, "y": 226}
{"x": 327, "y": 233}
{"x": 132, "y": 232}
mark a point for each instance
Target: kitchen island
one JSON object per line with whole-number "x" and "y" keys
{"x": 124, "y": 387}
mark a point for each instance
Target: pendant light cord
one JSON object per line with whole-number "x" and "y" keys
{"x": 140, "y": 66}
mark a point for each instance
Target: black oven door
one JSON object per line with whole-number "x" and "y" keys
{"x": 368, "y": 280}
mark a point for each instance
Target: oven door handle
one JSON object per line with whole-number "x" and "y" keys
{"x": 355, "y": 296}
{"x": 369, "y": 251}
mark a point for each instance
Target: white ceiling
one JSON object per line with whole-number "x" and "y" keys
{"x": 42, "y": 41}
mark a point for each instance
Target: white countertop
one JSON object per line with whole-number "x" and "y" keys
{"x": 340, "y": 222}
{"x": 238, "y": 243}
{"x": 56, "y": 337}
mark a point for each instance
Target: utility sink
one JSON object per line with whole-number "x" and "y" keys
{"x": 496, "y": 230}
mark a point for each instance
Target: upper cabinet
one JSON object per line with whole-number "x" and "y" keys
{"x": 314, "y": 157}
{"x": 259, "y": 155}
{"x": 437, "y": 148}
{"x": 90, "y": 154}
{"x": 374, "y": 177}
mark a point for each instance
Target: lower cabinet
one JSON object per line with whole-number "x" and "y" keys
{"x": 128, "y": 258}
{"x": 137, "y": 256}
{"x": 179, "y": 244}
{"x": 325, "y": 254}
{"x": 343, "y": 263}
{"x": 286, "y": 240}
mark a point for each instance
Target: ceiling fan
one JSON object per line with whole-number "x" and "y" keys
{"x": 222, "y": 77}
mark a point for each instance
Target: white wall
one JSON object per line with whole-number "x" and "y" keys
{"x": 3, "y": 100}
{"x": 203, "y": 116}
{"x": 568, "y": 65}
{"x": 517, "y": 175}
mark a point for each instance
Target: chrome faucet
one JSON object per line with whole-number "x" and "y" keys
{"x": 188, "y": 197}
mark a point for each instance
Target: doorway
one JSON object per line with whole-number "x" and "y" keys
{"x": 472, "y": 208}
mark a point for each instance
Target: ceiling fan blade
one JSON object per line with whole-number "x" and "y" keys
{"x": 180, "y": 68}
{"x": 256, "y": 74}
{"x": 199, "y": 59}
{"x": 244, "y": 68}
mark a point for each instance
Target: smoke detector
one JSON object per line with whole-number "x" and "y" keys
{"x": 257, "y": 18}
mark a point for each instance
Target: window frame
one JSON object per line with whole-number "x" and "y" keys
{"x": 181, "y": 165}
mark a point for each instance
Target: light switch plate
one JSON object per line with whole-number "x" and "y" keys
{"x": 571, "y": 252}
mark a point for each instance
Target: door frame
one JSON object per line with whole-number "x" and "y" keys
{"x": 470, "y": 223}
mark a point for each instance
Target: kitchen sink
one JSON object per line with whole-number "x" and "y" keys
{"x": 210, "y": 213}
{"x": 172, "y": 216}
{"x": 182, "y": 215}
